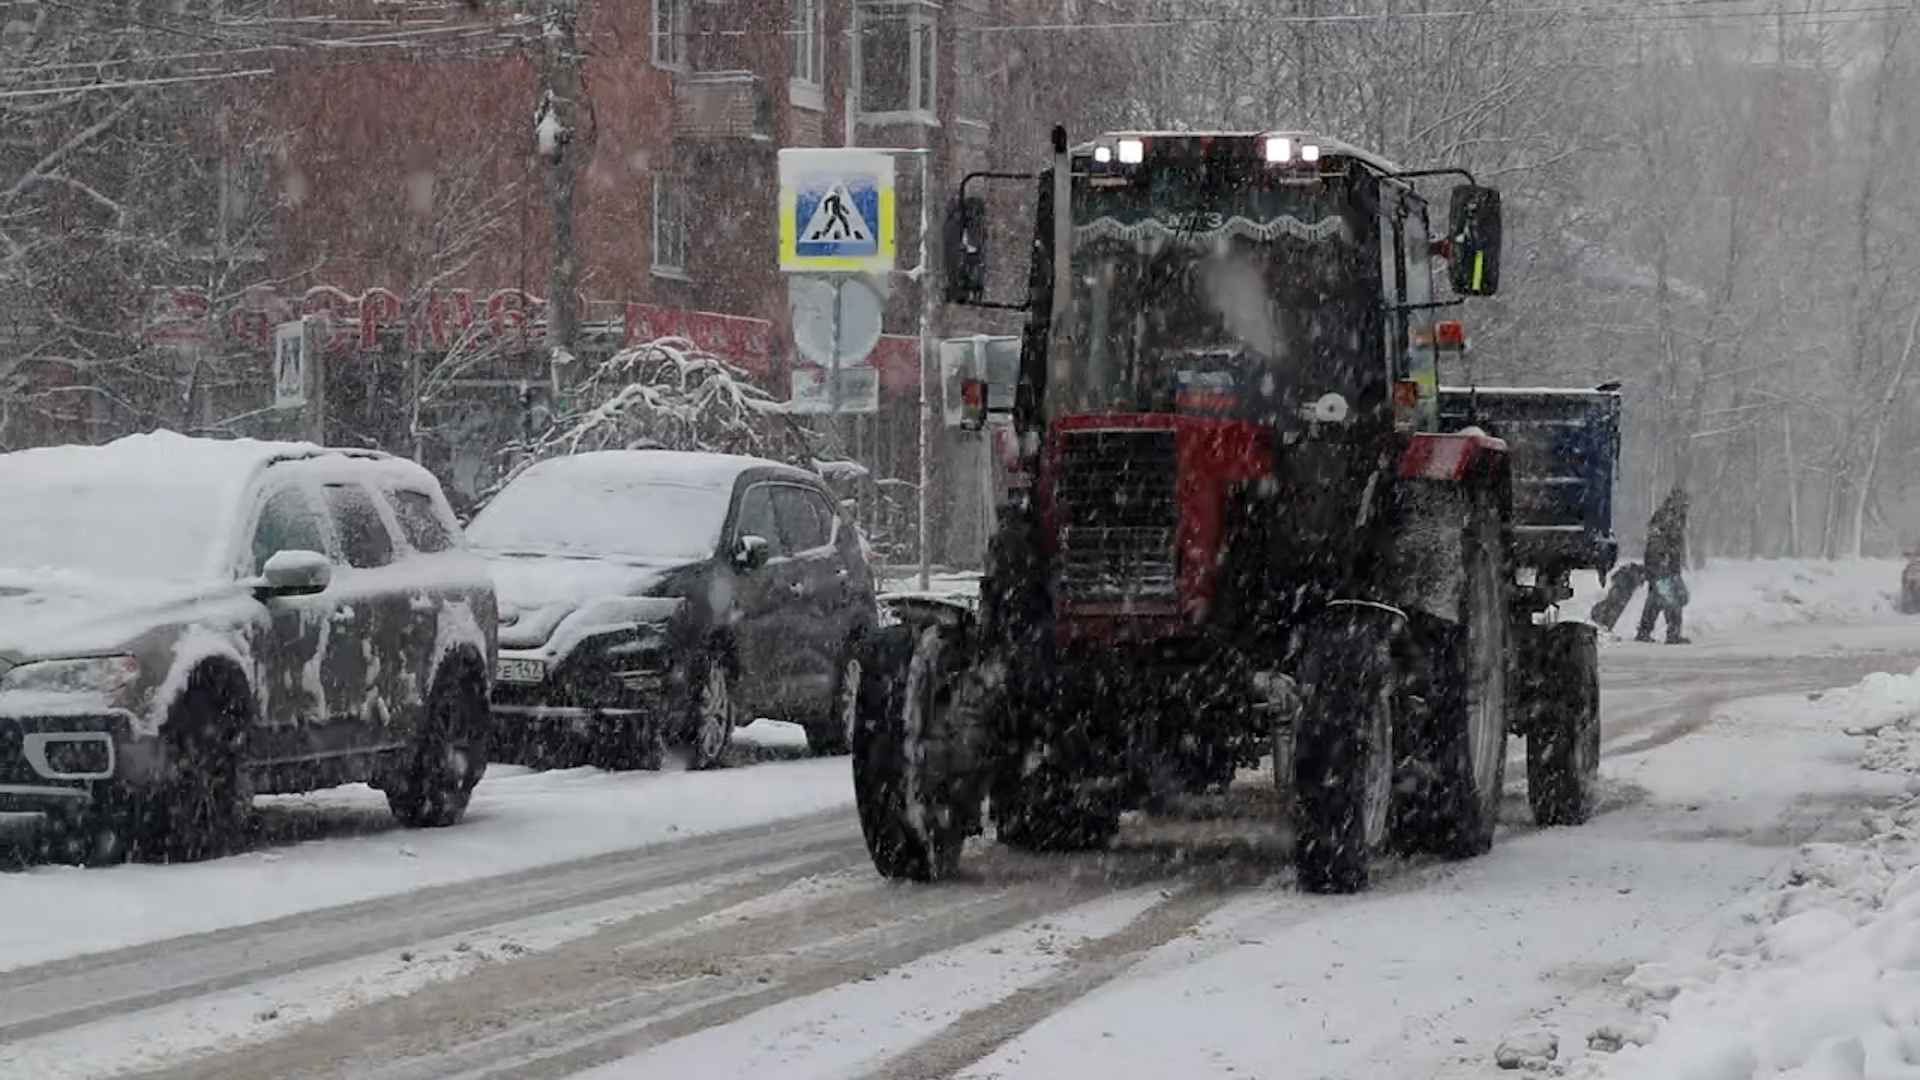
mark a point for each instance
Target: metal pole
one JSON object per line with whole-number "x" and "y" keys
{"x": 833, "y": 369}
{"x": 315, "y": 374}
{"x": 926, "y": 364}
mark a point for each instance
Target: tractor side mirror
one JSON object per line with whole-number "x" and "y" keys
{"x": 1474, "y": 229}
{"x": 965, "y": 244}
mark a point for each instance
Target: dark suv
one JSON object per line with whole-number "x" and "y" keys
{"x": 652, "y": 596}
{"x": 185, "y": 622}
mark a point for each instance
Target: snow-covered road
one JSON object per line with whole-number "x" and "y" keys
{"x": 728, "y": 925}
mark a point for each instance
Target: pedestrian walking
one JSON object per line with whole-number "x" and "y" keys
{"x": 1666, "y": 560}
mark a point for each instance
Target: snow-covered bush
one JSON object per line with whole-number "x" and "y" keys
{"x": 667, "y": 394}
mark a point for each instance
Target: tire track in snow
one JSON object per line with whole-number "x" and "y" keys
{"x": 635, "y": 986}
{"x": 1703, "y": 689}
{"x": 67, "y": 993}
{"x": 253, "y": 1014}
{"x": 1091, "y": 965}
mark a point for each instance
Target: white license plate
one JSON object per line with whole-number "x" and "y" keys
{"x": 522, "y": 671}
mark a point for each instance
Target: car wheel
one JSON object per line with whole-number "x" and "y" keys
{"x": 712, "y": 711}
{"x": 201, "y": 811}
{"x": 449, "y": 752}
{"x": 834, "y": 734}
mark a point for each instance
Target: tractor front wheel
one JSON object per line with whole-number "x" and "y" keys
{"x": 909, "y": 750}
{"x": 1343, "y": 747}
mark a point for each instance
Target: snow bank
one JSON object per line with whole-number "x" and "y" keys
{"x": 1729, "y": 595}
{"x": 1817, "y": 976}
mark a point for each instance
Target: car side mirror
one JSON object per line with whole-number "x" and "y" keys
{"x": 1474, "y": 229}
{"x": 750, "y": 552}
{"x": 295, "y": 573}
{"x": 964, "y": 241}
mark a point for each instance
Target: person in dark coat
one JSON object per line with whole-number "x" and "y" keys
{"x": 1666, "y": 560}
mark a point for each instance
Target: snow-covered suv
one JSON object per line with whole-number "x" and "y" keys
{"x": 652, "y": 596}
{"x": 185, "y": 622}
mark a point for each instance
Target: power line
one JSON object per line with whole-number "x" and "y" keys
{"x": 159, "y": 58}
{"x": 1625, "y": 12}
{"x": 128, "y": 84}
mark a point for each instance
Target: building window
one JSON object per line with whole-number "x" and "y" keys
{"x": 971, "y": 82}
{"x": 898, "y": 43}
{"x": 672, "y": 20}
{"x": 669, "y": 227}
{"x": 806, "y": 50}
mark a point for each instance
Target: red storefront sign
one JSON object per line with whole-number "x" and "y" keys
{"x": 746, "y": 343}
{"x": 898, "y": 358}
{"x": 437, "y": 322}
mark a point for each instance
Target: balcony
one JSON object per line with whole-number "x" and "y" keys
{"x": 721, "y": 106}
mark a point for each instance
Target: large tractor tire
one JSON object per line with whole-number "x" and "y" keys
{"x": 912, "y": 766}
{"x": 1459, "y": 751}
{"x": 1343, "y": 747}
{"x": 1563, "y": 735}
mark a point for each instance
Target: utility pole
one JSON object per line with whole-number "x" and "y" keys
{"x": 557, "y": 136}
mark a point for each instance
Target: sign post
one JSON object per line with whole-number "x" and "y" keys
{"x": 836, "y": 211}
{"x": 298, "y": 381}
{"x": 837, "y": 217}
{"x": 836, "y": 323}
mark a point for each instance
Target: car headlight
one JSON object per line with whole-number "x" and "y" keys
{"x": 108, "y": 675}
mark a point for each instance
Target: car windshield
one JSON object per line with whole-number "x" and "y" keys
{"x": 561, "y": 513}
{"x": 108, "y": 527}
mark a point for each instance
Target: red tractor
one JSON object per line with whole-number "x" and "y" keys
{"x": 1248, "y": 519}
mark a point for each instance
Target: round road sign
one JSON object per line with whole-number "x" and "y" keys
{"x": 814, "y": 301}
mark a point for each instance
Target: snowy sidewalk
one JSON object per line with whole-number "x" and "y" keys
{"x": 1734, "y": 595}
{"x": 1816, "y": 974}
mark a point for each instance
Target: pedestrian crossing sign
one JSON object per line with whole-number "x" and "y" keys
{"x": 836, "y": 211}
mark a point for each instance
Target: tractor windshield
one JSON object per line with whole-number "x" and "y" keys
{"x": 1250, "y": 304}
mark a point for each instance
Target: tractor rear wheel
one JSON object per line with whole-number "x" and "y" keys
{"x": 1462, "y": 751}
{"x": 1343, "y": 747}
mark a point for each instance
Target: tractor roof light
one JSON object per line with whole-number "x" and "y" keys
{"x": 1309, "y": 153}
{"x": 1279, "y": 149}
{"x": 1132, "y": 151}
{"x": 1103, "y": 154}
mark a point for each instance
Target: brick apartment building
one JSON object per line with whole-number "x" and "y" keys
{"x": 410, "y": 192}
{"x": 396, "y": 188}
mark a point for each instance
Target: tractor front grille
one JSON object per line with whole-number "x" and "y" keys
{"x": 1118, "y": 514}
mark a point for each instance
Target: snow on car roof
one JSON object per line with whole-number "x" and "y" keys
{"x": 692, "y": 467}
{"x": 168, "y": 459}
{"x": 182, "y": 493}
{"x": 164, "y": 458}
